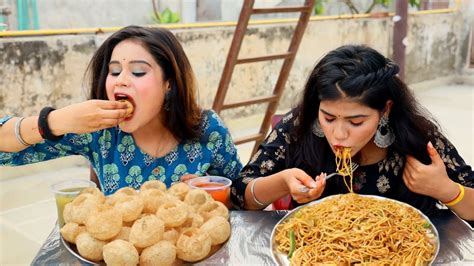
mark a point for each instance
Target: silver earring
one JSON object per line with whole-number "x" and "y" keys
{"x": 317, "y": 130}
{"x": 384, "y": 136}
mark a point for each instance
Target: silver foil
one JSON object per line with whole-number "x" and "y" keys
{"x": 249, "y": 243}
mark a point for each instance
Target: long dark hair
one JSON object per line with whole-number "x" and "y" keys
{"x": 169, "y": 55}
{"x": 364, "y": 75}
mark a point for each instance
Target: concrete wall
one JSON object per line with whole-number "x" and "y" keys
{"x": 63, "y": 14}
{"x": 39, "y": 71}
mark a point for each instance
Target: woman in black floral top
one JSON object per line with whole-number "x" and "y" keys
{"x": 353, "y": 98}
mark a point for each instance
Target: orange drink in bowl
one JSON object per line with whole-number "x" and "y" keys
{"x": 66, "y": 191}
{"x": 217, "y": 186}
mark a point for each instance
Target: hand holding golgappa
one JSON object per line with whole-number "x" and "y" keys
{"x": 86, "y": 117}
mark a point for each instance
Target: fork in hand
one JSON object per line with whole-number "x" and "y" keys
{"x": 353, "y": 168}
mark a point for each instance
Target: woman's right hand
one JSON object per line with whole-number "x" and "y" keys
{"x": 302, "y": 187}
{"x": 86, "y": 117}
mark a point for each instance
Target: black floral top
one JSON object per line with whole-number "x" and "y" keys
{"x": 383, "y": 178}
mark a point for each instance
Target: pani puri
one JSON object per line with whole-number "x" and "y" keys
{"x": 179, "y": 189}
{"x": 173, "y": 213}
{"x": 126, "y": 191}
{"x": 112, "y": 199}
{"x": 120, "y": 252}
{"x": 89, "y": 247}
{"x": 67, "y": 213}
{"x": 153, "y": 184}
{"x": 214, "y": 249}
{"x": 130, "y": 206}
{"x": 123, "y": 234}
{"x": 162, "y": 253}
{"x": 105, "y": 223}
{"x": 152, "y": 199}
{"x": 171, "y": 235}
{"x": 70, "y": 231}
{"x": 193, "y": 245}
{"x": 218, "y": 229}
{"x": 214, "y": 208}
{"x": 130, "y": 108}
{"x": 197, "y": 197}
{"x": 146, "y": 231}
{"x": 95, "y": 192}
{"x": 81, "y": 207}
{"x": 130, "y": 224}
{"x": 194, "y": 220}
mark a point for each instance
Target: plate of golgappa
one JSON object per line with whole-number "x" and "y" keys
{"x": 153, "y": 224}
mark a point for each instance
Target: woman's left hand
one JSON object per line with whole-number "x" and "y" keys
{"x": 430, "y": 180}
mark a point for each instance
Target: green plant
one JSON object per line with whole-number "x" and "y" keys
{"x": 416, "y": 3}
{"x": 165, "y": 17}
{"x": 319, "y": 7}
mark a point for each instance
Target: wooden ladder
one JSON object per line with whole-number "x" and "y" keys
{"x": 288, "y": 57}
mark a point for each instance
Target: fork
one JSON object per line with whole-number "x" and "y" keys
{"x": 353, "y": 168}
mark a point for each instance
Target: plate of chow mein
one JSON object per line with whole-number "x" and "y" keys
{"x": 355, "y": 229}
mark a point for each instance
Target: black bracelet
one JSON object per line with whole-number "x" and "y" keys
{"x": 43, "y": 126}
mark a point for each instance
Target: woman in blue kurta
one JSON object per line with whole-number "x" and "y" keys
{"x": 165, "y": 137}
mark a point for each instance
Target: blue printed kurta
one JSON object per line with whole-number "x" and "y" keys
{"x": 119, "y": 162}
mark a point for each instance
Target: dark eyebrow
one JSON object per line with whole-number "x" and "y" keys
{"x": 131, "y": 62}
{"x": 346, "y": 117}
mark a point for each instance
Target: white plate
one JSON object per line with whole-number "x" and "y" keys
{"x": 281, "y": 258}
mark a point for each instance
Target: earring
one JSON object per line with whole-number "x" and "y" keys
{"x": 316, "y": 129}
{"x": 384, "y": 136}
{"x": 167, "y": 100}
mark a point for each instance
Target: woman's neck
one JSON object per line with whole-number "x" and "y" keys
{"x": 371, "y": 154}
{"x": 155, "y": 139}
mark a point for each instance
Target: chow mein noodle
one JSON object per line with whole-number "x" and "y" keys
{"x": 343, "y": 165}
{"x": 353, "y": 229}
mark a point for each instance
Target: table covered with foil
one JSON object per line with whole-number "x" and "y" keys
{"x": 249, "y": 242}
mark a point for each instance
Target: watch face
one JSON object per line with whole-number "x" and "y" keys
{"x": 4, "y": 119}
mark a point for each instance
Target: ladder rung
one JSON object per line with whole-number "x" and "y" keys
{"x": 284, "y": 9}
{"x": 249, "y": 138}
{"x": 264, "y": 58}
{"x": 255, "y": 100}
